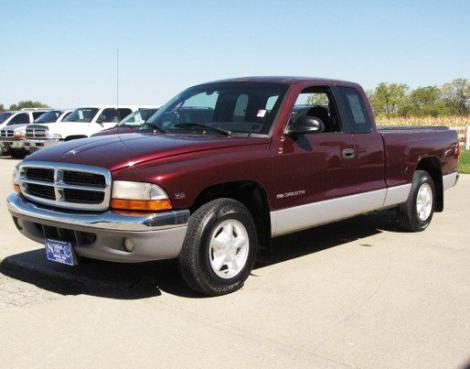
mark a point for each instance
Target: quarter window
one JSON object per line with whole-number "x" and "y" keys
{"x": 353, "y": 110}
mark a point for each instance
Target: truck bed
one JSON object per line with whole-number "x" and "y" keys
{"x": 406, "y": 146}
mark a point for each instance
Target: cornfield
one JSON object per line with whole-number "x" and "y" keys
{"x": 449, "y": 121}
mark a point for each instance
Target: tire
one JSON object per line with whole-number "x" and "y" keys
{"x": 17, "y": 154}
{"x": 214, "y": 259}
{"x": 417, "y": 212}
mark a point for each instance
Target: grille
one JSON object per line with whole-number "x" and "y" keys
{"x": 35, "y": 133}
{"x": 86, "y": 179}
{"x": 6, "y": 133}
{"x": 71, "y": 186}
{"x": 40, "y": 174}
{"x": 83, "y": 197}
{"x": 46, "y": 192}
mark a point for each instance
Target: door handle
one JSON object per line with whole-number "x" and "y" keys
{"x": 349, "y": 153}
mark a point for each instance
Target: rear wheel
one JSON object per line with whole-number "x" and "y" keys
{"x": 219, "y": 251}
{"x": 416, "y": 213}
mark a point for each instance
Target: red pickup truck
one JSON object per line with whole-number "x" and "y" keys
{"x": 224, "y": 167}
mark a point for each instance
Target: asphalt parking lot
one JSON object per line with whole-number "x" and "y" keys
{"x": 356, "y": 294}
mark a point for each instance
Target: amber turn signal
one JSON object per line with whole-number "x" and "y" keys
{"x": 141, "y": 205}
{"x": 16, "y": 188}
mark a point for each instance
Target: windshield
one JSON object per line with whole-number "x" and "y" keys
{"x": 4, "y": 116}
{"x": 81, "y": 115}
{"x": 234, "y": 107}
{"x": 49, "y": 117}
{"x": 137, "y": 118}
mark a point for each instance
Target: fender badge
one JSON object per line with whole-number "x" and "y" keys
{"x": 180, "y": 195}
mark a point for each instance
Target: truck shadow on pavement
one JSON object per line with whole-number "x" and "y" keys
{"x": 136, "y": 281}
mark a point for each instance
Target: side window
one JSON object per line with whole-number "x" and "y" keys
{"x": 317, "y": 102}
{"x": 66, "y": 115}
{"x": 124, "y": 112}
{"x": 109, "y": 115}
{"x": 353, "y": 110}
{"x": 36, "y": 115}
{"x": 20, "y": 119}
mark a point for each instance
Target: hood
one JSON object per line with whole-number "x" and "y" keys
{"x": 15, "y": 127}
{"x": 117, "y": 151}
{"x": 39, "y": 126}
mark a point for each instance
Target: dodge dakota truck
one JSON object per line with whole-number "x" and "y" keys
{"x": 224, "y": 167}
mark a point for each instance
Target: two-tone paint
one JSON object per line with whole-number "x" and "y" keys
{"x": 326, "y": 185}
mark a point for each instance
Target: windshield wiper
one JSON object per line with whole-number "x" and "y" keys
{"x": 204, "y": 127}
{"x": 148, "y": 126}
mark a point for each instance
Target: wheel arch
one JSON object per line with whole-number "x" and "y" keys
{"x": 432, "y": 165}
{"x": 249, "y": 193}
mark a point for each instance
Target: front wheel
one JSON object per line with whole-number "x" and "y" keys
{"x": 416, "y": 213}
{"x": 219, "y": 250}
{"x": 17, "y": 153}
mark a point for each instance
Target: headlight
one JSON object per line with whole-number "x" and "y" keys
{"x": 16, "y": 179}
{"x": 128, "y": 195}
{"x": 54, "y": 135}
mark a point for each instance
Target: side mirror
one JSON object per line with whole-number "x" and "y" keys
{"x": 304, "y": 124}
{"x": 101, "y": 119}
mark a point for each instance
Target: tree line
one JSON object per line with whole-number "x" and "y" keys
{"x": 389, "y": 99}
{"x": 24, "y": 104}
{"x": 398, "y": 100}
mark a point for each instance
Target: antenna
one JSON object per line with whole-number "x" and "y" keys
{"x": 117, "y": 78}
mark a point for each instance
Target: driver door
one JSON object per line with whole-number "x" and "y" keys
{"x": 312, "y": 168}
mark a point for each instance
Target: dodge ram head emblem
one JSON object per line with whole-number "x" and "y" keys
{"x": 72, "y": 152}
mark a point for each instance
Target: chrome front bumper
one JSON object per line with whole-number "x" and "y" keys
{"x": 31, "y": 144}
{"x": 12, "y": 144}
{"x": 103, "y": 235}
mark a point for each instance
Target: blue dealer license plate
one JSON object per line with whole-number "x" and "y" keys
{"x": 60, "y": 252}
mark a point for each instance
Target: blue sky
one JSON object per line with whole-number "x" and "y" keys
{"x": 63, "y": 52}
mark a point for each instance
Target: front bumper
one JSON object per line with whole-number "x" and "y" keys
{"x": 102, "y": 235}
{"x": 36, "y": 144}
{"x": 12, "y": 144}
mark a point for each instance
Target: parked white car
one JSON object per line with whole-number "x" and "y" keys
{"x": 53, "y": 116}
{"x": 81, "y": 123}
{"x": 12, "y": 130}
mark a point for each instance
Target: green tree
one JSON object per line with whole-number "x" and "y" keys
{"x": 456, "y": 96}
{"x": 27, "y": 104}
{"x": 425, "y": 101}
{"x": 2, "y": 108}
{"x": 389, "y": 98}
